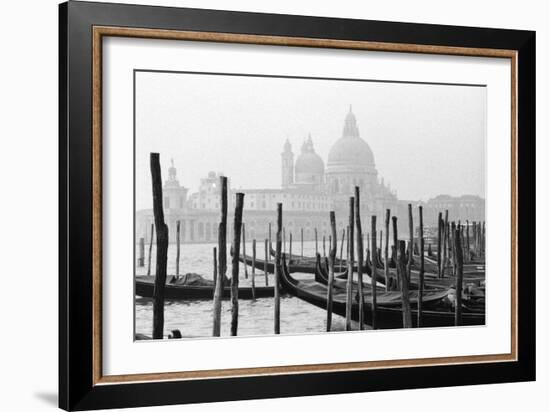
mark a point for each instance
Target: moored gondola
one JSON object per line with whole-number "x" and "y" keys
{"x": 179, "y": 290}
{"x": 436, "y": 313}
{"x": 340, "y": 279}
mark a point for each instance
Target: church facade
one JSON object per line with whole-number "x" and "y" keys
{"x": 309, "y": 190}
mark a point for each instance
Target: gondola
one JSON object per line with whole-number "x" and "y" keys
{"x": 174, "y": 290}
{"x": 298, "y": 266}
{"x": 340, "y": 279}
{"x": 308, "y": 262}
{"x": 260, "y": 264}
{"x": 469, "y": 268}
{"x": 431, "y": 280}
{"x": 436, "y": 313}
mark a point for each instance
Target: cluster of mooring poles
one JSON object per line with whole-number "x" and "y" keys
{"x": 392, "y": 265}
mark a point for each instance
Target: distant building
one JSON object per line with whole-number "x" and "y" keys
{"x": 465, "y": 208}
{"x": 309, "y": 190}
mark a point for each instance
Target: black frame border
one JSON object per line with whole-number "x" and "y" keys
{"x": 76, "y": 388}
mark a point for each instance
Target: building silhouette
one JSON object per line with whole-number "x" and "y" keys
{"x": 309, "y": 190}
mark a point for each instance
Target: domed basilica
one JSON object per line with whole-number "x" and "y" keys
{"x": 308, "y": 192}
{"x": 350, "y": 163}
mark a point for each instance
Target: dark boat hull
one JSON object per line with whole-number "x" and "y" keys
{"x": 294, "y": 268}
{"x": 306, "y": 264}
{"x": 145, "y": 287}
{"x": 386, "y": 317}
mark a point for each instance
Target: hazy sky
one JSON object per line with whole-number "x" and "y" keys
{"x": 426, "y": 139}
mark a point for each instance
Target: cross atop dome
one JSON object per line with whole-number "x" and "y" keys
{"x": 350, "y": 125}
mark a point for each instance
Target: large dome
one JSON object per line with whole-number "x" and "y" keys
{"x": 309, "y": 162}
{"x": 350, "y": 150}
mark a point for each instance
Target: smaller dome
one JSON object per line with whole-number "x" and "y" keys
{"x": 309, "y": 162}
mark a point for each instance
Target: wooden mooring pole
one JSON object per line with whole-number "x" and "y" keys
{"x": 222, "y": 241}
{"x": 219, "y": 285}
{"x": 407, "y": 314}
{"x": 449, "y": 247}
{"x": 395, "y": 246}
{"x": 253, "y": 274}
{"x": 222, "y": 257}
{"x": 421, "y": 274}
{"x": 265, "y": 262}
{"x": 373, "y": 274}
{"x": 244, "y": 252}
{"x": 474, "y": 238}
{"x": 237, "y": 226}
{"x": 360, "y": 259}
{"x": 439, "y": 242}
{"x": 284, "y": 241}
{"x": 411, "y": 240}
{"x": 349, "y": 285}
{"x": 324, "y": 247}
{"x": 463, "y": 241}
{"x": 478, "y": 235}
{"x": 342, "y": 249}
{"x": 316, "y": 245}
{"x": 331, "y": 259}
{"x": 141, "y": 259}
{"x": 445, "y": 244}
{"x": 162, "y": 248}
{"x": 453, "y": 247}
{"x": 277, "y": 306}
{"x": 467, "y": 241}
{"x": 215, "y": 268}
{"x": 150, "y": 250}
{"x": 178, "y": 248}
{"x": 270, "y": 244}
{"x": 483, "y": 238}
{"x": 386, "y": 247}
{"x": 459, "y": 278}
{"x": 289, "y": 247}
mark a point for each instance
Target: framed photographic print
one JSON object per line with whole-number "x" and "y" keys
{"x": 256, "y": 205}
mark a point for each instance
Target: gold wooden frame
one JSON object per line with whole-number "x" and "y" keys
{"x": 101, "y": 31}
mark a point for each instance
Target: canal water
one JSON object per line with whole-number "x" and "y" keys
{"x": 194, "y": 317}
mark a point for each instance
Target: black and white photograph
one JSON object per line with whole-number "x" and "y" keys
{"x": 274, "y": 206}
{"x": 302, "y": 205}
